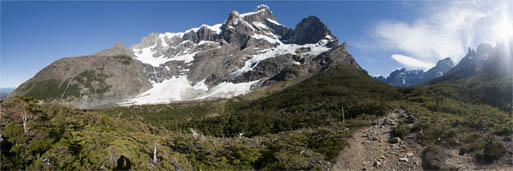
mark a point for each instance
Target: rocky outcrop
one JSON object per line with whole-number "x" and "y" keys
{"x": 310, "y": 30}
{"x": 119, "y": 49}
{"x": 442, "y": 66}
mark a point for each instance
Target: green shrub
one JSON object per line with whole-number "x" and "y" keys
{"x": 493, "y": 150}
{"x": 52, "y": 89}
{"x": 401, "y": 131}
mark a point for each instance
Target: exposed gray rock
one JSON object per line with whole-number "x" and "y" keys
{"x": 203, "y": 33}
{"x": 377, "y": 164}
{"x": 261, "y": 14}
{"x": 442, "y": 66}
{"x": 409, "y": 154}
{"x": 394, "y": 140}
{"x": 410, "y": 119}
{"x": 310, "y": 30}
{"x": 119, "y": 49}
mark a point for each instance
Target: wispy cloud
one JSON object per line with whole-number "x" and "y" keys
{"x": 444, "y": 29}
{"x": 369, "y": 60}
{"x": 412, "y": 63}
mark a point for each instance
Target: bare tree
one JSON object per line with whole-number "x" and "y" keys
{"x": 440, "y": 103}
{"x": 155, "y": 160}
{"x": 27, "y": 106}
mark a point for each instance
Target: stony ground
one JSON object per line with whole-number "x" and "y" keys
{"x": 374, "y": 148}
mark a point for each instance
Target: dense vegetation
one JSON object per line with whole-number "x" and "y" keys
{"x": 52, "y": 89}
{"x": 301, "y": 127}
{"x": 494, "y": 90}
{"x": 65, "y": 138}
{"x": 94, "y": 81}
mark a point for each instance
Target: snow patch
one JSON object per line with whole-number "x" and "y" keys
{"x": 260, "y": 25}
{"x": 227, "y": 90}
{"x": 282, "y": 49}
{"x": 273, "y": 21}
{"x": 169, "y": 35}
{"x": 328, "y": 37}
{"x": 216, "y": 28}
{"x": 185, "y": 57}
{"x": 201, "y": 86}
{"x": 174, "y": 89}
{"x": 267, "y": 38}
{"x": 251, "y": 13}
{"x": 181, "y": 89}
{"x": 205, "y": 42}
{"x": 260, "y": 8}
{"x": 146, "y": 55}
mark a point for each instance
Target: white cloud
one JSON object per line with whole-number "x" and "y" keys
{"x": 444, "y": 29}
{"x": 412, "y": 63}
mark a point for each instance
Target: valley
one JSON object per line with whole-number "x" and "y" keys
{"x": 252, "y": 94}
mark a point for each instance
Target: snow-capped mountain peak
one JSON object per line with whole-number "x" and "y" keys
{"x": 245, "y": 52}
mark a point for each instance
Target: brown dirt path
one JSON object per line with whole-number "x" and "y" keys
{"x": 369, "y": 148}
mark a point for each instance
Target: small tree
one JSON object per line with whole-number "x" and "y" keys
{"x": 27, "y": 107}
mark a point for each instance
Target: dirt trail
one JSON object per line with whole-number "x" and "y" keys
{"x": 370, "y": 148}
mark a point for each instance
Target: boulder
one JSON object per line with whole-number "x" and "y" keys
{"x": 394, "y": 140}
{"x": 409, "y": 154}
{"x": 377, "y": 164}
{"x": 410, "y": 119}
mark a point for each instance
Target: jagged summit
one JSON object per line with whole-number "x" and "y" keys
{"x": 485, "y": 59}
{"x": 117, "y": 49}
{"x": 261, "y": 14}
{"x": 262, "y": 7}
{"x": 311, "y": 30}
{"x": 119, "y": 45}
{"x": 447, "y": 60}
{"x": 442, "y": 66}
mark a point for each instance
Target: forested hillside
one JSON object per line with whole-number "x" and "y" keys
{"x": 301, "y": 127}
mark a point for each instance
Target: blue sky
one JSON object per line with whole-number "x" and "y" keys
{"x": 382, "y": 36}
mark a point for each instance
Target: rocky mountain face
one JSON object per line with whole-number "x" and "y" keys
{"x": 442, "y": 66}
{"x": 246, "y": 52}
{"x": 487, "y": 75}
{"x": 404, "y": 77}
{"x": 486, "y": 59}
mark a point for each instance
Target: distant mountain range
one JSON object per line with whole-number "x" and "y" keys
{"x": 486, "y": 60}
{"x": 246, "y": 52}
{"x": 404, "y": 77}
{"x": 4, "y": 92}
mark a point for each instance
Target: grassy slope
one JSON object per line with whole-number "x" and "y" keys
{"x": 297, "y": 128}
